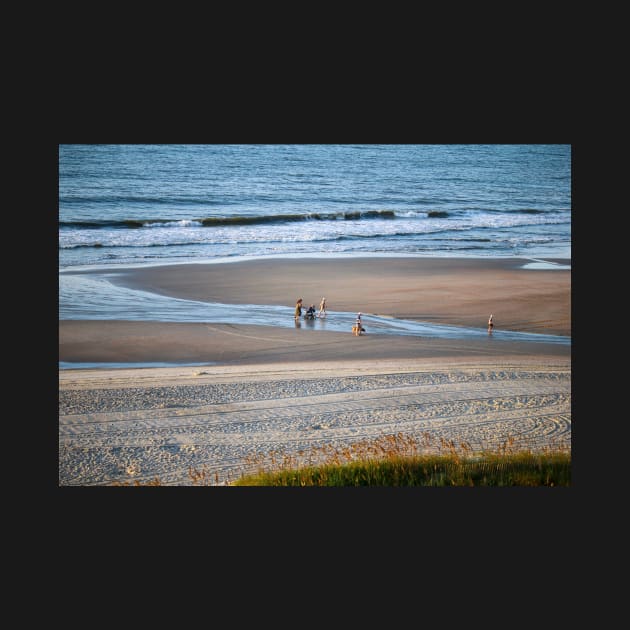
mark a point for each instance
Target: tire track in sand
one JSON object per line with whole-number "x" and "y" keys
{"x": 483, "y": 407}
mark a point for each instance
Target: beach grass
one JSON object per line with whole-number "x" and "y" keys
{"x": 397, "y": 461}
{"x": 404, "y": 460}
{"x": 517, "y": 469}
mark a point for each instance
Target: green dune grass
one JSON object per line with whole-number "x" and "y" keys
{"x": 515, "y": 469}
{"x": 401, "y": 460}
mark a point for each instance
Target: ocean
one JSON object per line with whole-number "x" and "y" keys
{"x": 139, "y": 204}
{"x": 130, "y": 205}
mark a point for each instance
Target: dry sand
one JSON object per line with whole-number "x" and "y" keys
{"x": 289, "y": 391}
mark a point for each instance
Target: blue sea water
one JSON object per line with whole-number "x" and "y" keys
{"x": 138, "y": 204}
{"x": 129, "y": 205}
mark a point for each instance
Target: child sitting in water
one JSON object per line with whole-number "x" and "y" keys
{"x": 359, "y": 324}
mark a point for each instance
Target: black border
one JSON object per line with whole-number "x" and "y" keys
{"x": 394, "y": 521}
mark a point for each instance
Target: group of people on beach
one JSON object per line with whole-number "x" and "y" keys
{"x": 310, "y": 311}
{"x": 310, "y": 314}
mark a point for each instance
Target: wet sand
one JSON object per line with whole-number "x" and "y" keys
{"x": 439, "y": 291}
{"x": 458, "y": 291}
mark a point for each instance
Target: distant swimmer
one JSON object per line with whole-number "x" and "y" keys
{"x": 490, "y": 323}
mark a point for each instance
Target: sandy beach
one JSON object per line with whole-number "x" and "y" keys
{"x": 260, "y": 389}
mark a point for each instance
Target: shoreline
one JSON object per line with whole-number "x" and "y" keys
{"x": 95, "y": 341}
{"x": 550, "y": 261}
{"x": 437, "y": 291}
{"x": 454, "y": 291}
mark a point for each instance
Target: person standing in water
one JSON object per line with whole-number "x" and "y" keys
{"x": 322, "y": 308}
{"x": 490, "y": 323}
{"x": 298, "y": 308}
